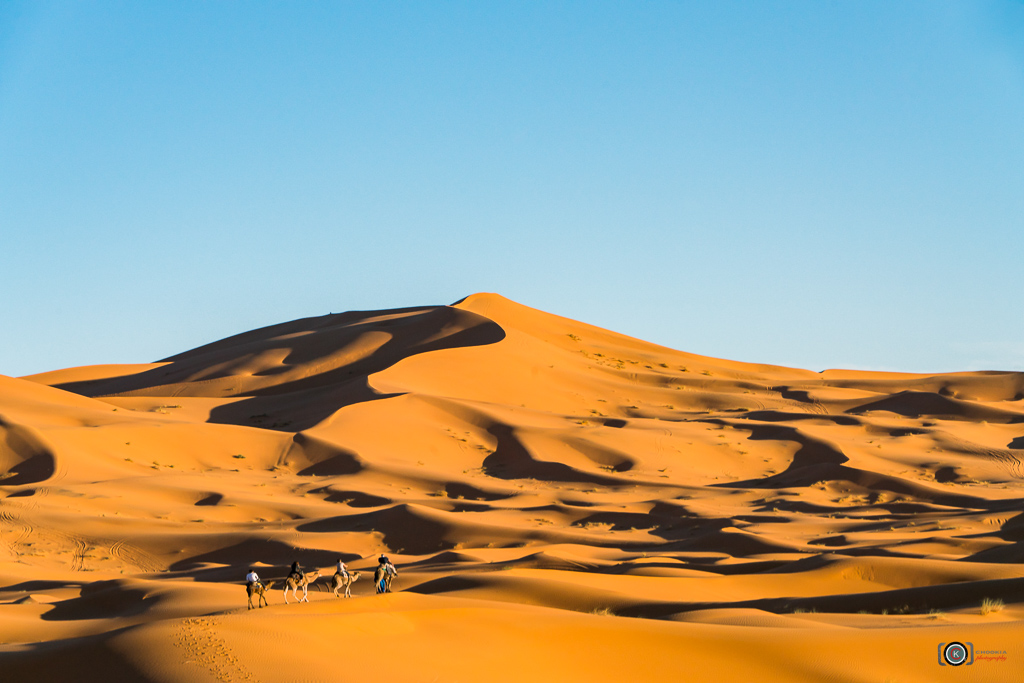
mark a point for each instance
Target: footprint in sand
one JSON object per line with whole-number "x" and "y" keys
{"x": 203, "y": 647}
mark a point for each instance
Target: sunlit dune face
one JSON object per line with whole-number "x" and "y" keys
{"x": 532, "y": 478}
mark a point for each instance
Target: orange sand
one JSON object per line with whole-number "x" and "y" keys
{"x": 564, "y": 503}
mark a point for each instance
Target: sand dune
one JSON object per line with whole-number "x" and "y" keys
{"x": 563, "y": 503}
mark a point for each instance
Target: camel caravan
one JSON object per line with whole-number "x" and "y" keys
{"x": 297, "y": 579}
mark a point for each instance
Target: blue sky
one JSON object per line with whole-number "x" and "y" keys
{"x": 816, "y": 184}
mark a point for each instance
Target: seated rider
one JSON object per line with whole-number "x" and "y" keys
{"x": 384, "y": 574}
{"x": 252, "y": 579}
{"x": 341, "y": 569}
{"x": 296, "y": 571}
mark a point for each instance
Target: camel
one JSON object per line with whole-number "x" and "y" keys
{"x": 258, "y": 590}
{"x": 293, "y": 584}
{"x": 383, "y": 576}
{"x": 340, "y": 581}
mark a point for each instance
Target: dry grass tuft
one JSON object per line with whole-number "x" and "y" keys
{"x": 989, "y": 605}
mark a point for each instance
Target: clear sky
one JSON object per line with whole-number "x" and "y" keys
{"x": 816, "y": 184}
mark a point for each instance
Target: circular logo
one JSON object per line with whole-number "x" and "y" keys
{"x": 955, "y": 654}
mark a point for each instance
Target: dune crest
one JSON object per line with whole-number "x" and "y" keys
{"x": 518, "y": 467}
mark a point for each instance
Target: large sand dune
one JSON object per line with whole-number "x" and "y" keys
{"x": 563, "y": 503}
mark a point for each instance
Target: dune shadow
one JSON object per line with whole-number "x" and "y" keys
{"x": 511, "y": 460}
{"x": 355, "y": 499}
{"x": 255, "y": 550}
{"x": 784, "y": 416}
{"x": 818, "y": 460}
{"x": 446, "y": 558}
{"x": 1002, "y": 554}
{"x": 212, "y": 499}
{"x": 297, "y": 410}
{"x": 71, "y": 660}
{"x": 711, "y": 538}
{"x": 625, "y": 521}
{"x": 34, "y": 470}
{"x": 916, "y": 600}
{"x": 405, "y": 529}
{"x": 101, "y": 600}
{"x": 446, "y": 584}
{"x": 926, "y": 403}
{"x": 458, "y": 490}
{"x": 325, "y": 364}
{"x": 326, "y": 459}
{"x": 24, "y": 457}
{"x": 814, "y": 461}
{"x": 38, "y": 585}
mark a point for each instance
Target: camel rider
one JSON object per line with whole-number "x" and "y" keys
{"x": 384, "y": 574}
{"x": 341, "y": 569}
{"x": 296, "y": 571}
{"x": 252, "y": 580}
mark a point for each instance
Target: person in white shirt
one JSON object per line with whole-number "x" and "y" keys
{"x": 253, "y": 586}
{"x": 341, "y": 569}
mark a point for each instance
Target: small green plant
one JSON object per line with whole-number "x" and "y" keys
{"x": 573, "y": 337}
{"x": 238, "y": 457}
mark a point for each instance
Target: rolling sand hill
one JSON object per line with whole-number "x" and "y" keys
{"x": 563, "y": 503}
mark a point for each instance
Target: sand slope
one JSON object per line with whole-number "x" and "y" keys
{"x": 563, "y": 502}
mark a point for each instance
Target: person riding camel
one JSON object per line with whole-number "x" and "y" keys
{"x": 252, "y": 579}
{"x": 296, "y": 571}
{"x": 255, "y": 587}
{"x": 341, "y": 569}
{"x": 384, "y": 574}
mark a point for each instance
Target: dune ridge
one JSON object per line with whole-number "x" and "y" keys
{"x": 546, "y": 488}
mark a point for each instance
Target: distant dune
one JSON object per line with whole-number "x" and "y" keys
{"x": 563, "y": 503}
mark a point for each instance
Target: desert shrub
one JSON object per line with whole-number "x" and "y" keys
{"x": 989, "y": 605}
